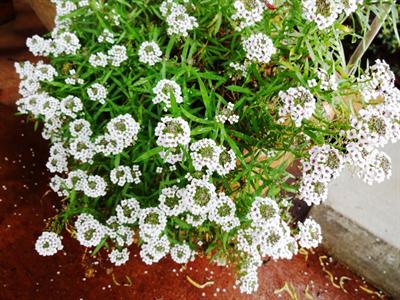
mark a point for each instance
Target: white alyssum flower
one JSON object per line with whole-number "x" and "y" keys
{"x": 119, "y": 257}
{"x": 80, "y": 127}
{"x": 309, "y": 234}
{"x": 82, "y": 149}
{"x": 106, "y": 36}
{"x": 298, "y": 103}
{"x": 195, "y": 220}
{"x": 123, "y": 128}
{"x": 313, "y": 191}
{"x": 122, "y": 175}
{"x": 121, "y": 235}
{"x": 259, "y": 48}
{"x": 67, "y": 42}
{"x": 76, "y": 179}
{"x": 95, "y": 186}
{"x": 226, "y": 161}
{"x": 200, "y": 197}
{"x": 376, "y": 80}
{"x": 325, "y": 163}
{"x": 327, "y": 82}
{"x": 248, "y": 13}
{"x": 57, "y": 163}
{"x": 171, "y": 202}
{"x": 128, "y": 211}
{"x": 97, "y": 92}
{"x": 178, "y": 20}
{"x": 323, "y": 12}
{"x": 149, "y": 53}
{"x": 226, "y": 114}
{"x": 89, "y": 231}
{"x": 181, "y": 253}
{"x": 98, "y": 59}
{"x": 154, "y": 250}
{"x": 163, "y": 91}
{"x": 264, "y": 211}
{"x": 44, "y": 72}
{"x": 171, "y": 132}
{"x": 172, "y": 155}
{"x": 204, "y": 153}
{"x": 373, "y": 127}
{"x": 224, "y": 213}
{"x": 56, "y": 184}
{"x": 152, "y": 221}
{"x": 117, "y": 55}
{"x": 48, "y": 243}
{"x": 71, "y": 106}
{"x": 371, "y": 164}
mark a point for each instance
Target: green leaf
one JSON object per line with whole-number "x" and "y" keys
{"x": 149, "y": 154}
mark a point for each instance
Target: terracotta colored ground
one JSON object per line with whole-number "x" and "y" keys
{"x": 25, "y": 206}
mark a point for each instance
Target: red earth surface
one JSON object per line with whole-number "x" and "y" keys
{"x": 26, "y": 206}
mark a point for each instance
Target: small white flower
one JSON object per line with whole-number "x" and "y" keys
{"x": 95, "y": 186}
{"x": 298, "y": 103}
{"x": 89, "y": 231}
{"x": 171, "y": 132}
{"x": 248, "y": 13}
{"x": 259, "y": 48}
{"x": 181, "y": 253}
{"x": 164, "y": 89}
{"x": 48, "y": 243}
{"x": 171, "y": 201}
{"x": 98, "y": 59}
{"x": 71, "y": 106}
{"x": 128, "y": 211}
{"x": 117, "y": 54}
{"x": 149, "y": 53}
{"x": 97, "y": 92}
{"x": 119, "y": 257}
{"x": 200, "y": 197}
{"x": 309, "y": 234}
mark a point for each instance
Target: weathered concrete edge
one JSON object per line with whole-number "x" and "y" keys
{"x": 362, "y": 251}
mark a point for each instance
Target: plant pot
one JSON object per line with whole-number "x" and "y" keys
{"x": 7, "y": 12}
{"x": 46, "y": 12}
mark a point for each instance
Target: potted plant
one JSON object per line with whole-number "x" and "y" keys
{"x": 172, "y": 123}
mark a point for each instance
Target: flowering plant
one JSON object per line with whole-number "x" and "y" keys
{"x": 172, "y": 123}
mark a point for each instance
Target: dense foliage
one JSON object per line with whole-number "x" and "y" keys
{"x": 172, "y": 124}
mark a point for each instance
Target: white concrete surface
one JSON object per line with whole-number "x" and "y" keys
{"x": 375, "y": 208}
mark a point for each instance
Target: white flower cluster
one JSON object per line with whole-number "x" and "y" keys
{"x": 171, "y": 202}
{"x": 115, "y": 57}
{"x": 240, "y": 68}
{"x": 64, "y": 43}
{"x": 164, "y": 90}
{"x": 371, "y": 164}
{"x": 97, "y": 92}
{"x": 178, "y": 20}
{"x": 128, "y": 211}
{"x": 326, "y": 82}
{"x": 48, "y": 243}
{"x": 325, "y": 164}
{"x": 206, "y": 153}
{"x": 226, "y": 114}
{"x": 149, "y": 53}
{"x": 172, "y": 132}
{"x": 325, "y": 12}
{"x": 94, "y": 186}
{"x": 309, "y": 234}
{"x": 248, "y": 12}
{"x": 268, "y": 236}
{"x": 377, "y": 79}
{"x": 259, "y": 48}
{"x": 224, "y": 213}
{"x": 89, "y": 231}
{"x": 73, "y": 79}
{"x": 106, "y": 36}
{"x": 119, "y": 257}
{"x": 122, "y": 175}
{"x": 298, "y": 103}
{"x": 181, "y": 253}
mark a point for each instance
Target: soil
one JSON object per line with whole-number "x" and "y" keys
{"x": 27, "y": 205}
